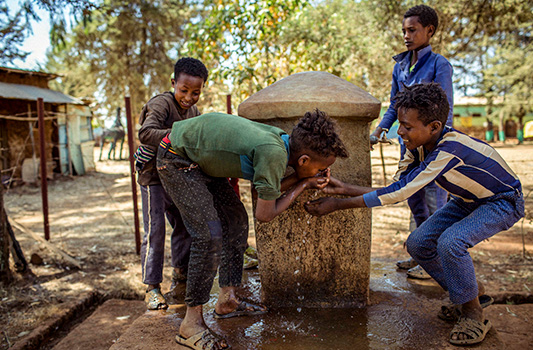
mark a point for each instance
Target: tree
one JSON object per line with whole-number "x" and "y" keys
{"x": 14, "y": 28}
{"x": 239, "y": 42}
{"x": 510, "y": 63}
{"x": 5, "y": 271}
{"x": 123, "y": 49}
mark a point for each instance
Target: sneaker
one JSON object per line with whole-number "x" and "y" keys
{"x": 406, "y": 264}
{"x": 418, "y": 272}
{"x": 251, "y": 252}
{"x": 154, "y": 300}
{"x": 250, "y": 263}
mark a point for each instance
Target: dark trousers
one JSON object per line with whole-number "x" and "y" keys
{"x": 216, "y": 220}
{"x": 157, "y": 204}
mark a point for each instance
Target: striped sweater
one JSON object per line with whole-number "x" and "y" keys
{"x": 462, "y": 165}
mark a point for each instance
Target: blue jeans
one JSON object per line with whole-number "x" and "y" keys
{"x": 426, "y": 201}
{"x": 440, "y": 245}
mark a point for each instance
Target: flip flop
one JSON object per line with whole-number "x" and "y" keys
{"x": 205, "y": 340}
{"x": 418, "y": 273}
{"x": 475, "y": 330}
{"x": 452, "y": 312}
{"x": 406, "y": 264}
{"x": 244, "y": 309}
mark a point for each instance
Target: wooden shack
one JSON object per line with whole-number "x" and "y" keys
{"x": 69, "y": 138}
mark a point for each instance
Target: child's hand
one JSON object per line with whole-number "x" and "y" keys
{"x": 316, "y": 182}
{"x": 334, "y": 186}
{"x": 321, "y": 206}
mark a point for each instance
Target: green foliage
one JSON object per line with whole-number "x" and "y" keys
{"x": 239, "y": 41}
{"x": 119, "y": 47}
{"x": 123, "y": 48}
{"x": 14, "y": 28}
{"x": 511, "y": 61}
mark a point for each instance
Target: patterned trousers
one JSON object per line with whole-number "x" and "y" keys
{"x": 214, "y": 217}
{"x": 440, "y": 245}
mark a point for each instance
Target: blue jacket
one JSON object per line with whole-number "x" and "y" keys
{"x": 431, "y": 67}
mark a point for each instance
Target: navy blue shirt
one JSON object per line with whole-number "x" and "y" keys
{"x": 431, "y": 67}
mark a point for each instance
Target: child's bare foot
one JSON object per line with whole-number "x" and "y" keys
{"x": 229, "y": 305}
{"x": 480, "y": 288}
{"x": 195, "y": 334}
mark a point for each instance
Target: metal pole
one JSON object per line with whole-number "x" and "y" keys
{"x": 383, "y": 164}
{"x": 132, "y": 172}
{"x": 42, "y": 154}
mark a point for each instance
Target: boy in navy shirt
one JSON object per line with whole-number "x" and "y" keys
{"x": 419, "y": 64}
{"x": 486, "y": 199}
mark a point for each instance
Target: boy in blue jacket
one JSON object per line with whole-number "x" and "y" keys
{"x": 419, "y": 64}
{"x": 486, "y": 198}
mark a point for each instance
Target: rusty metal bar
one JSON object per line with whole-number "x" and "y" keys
{"x": 42, "y": 155}
{"x": 228, "y": 103}
{"x": 131, "y": 137}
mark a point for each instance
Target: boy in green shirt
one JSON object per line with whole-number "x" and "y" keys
{"x": 193, "y": 164}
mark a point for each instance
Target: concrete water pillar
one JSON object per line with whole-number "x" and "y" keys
{"x": 308, "y": 261}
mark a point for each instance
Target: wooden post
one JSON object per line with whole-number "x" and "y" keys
{"x": 5, "y": 271}
{"x": 131, "y": 137}
{"x": 34, "y": 156}
{"x": 228, "y": 103}
{"x": 44, "y": 180}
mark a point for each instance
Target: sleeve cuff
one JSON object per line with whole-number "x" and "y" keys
{"x": 371, "y": 199}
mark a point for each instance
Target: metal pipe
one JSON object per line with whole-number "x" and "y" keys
{"x": 42, "y": 155}
{"x": 131, "y": 137}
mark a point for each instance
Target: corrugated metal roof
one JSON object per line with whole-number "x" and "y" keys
{"x": 49, "y": 76}
{"x": 28, "y": 92}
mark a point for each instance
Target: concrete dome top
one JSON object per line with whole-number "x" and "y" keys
{"x": 299, "y": 93}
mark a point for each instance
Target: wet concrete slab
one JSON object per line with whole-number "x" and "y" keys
{"x": 103, "y": 327}
{"x": 401, "y": 315}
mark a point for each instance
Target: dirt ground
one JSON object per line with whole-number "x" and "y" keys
{"x": 91, "y": 219}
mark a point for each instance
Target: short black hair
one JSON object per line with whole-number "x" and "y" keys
{"x": 317, "y": 132}
{"x": 190, "y": 66}
{"x": 426, "y": 15}
{"x": 428, "y": 99}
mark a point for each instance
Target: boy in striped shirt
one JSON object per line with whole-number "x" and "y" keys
{"x": 486, "y": 199}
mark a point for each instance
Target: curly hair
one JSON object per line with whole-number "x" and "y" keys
{"x": 316, "y": 132}
{"x": 190, "y": 66}
{"x": 428, "y": 99}
{"x": 426, "y": 15}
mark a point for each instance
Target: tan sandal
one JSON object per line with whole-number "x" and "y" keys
{"x": 406, "y": 264}
{"x": 475, "y": 330}
{"x": 205, "y": 340}
{"x": 418, "y": 273}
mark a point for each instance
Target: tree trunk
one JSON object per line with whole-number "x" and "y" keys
{"x": 5, "y": 272}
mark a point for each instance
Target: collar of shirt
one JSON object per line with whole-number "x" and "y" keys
{"x": 404, "y": 58}
{"x": 285, "y": 138}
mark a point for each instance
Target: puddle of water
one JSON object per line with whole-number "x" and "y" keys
{"x": 388, "y": 323}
